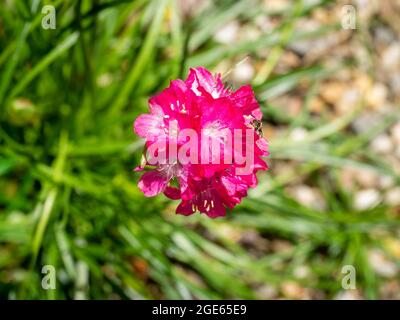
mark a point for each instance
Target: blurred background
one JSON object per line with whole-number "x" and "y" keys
{"x": 69, "y": 198}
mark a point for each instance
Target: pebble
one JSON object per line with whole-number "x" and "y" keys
{"x": 381, "y": 265}
{"x": 266, "y": 292}
{"x": 331, "y": 92}
{"x": 227, "y": 34}
{"x": 392, "y": 197}
{"x": 391, "y": 57}
{"x": 317, "y": 105}
{"x": 366, "y": 199}
{"x": 384, "y": 35}
{"x": 293, "y": 290}
{"x": 377, "y": 96}
{"x": 394, "y": 83}
{"x": 366, "y": 9}
{"x": 243, "y": 72}
{"x": 395, "y": 133}
{"x": 362, "y": 81}
{"x": 348, "y": 101}
{"x": 277, "y": 5}
{"x": 386, "y": 182}
{"x": 347, "y": 178}
{"x": 301, "y": 272}
{"x": 308, "y": 197}
{"x": 366, "y": 178}
{"x": 366, "y": 121}
{"x": 382, "y": 144}
{"x": 265, "y": 24}
{"x": 298, "y": 134}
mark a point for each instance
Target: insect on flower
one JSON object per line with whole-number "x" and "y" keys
{"x": 257, "y": 125}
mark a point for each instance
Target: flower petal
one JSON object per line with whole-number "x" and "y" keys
{"x": 149, "y": 126}
{"x": 172, "y": 193}
{"x": 218, "y": 210}
{"x": 152, "y": 183}
{"x": 186, "y": 208}
{"x": 202, "y": 82}
{"x": 244, "y": 98}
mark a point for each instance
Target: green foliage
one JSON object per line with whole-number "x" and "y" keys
{"x": 69, "y": 197}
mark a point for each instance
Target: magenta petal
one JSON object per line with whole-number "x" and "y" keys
{"x": 217, "y": 211}
{"x": 172, "y": 193}
{"x": 155, "y": 107}
{"x": 201, "y": 82}
{"x": 152, "y": 183}
{"x": 244, "y": 98}
{"x": 149, "y": 126}
{"x": 186, "y": 208}
{"x": 263, "y": 146}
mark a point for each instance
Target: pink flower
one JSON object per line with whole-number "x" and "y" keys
{"x": 201, "y": 137}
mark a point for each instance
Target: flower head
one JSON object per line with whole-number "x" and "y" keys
{"x": 202, "y": 135}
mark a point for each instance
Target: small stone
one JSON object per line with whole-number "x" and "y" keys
{"x": 347, "y": 178}
{"x": 366, "y": 121}
{"x": 277, "y": 5}
{"x": 392, "y": 197}
{"x": 190, "y": 8}
{"x": 366, "y": 9}
{"x": 281, "y": 246}
{"x": 385, "y": 35}
{"x": 265, "y": 23}
{"x": 366, "y": 178}
{"x": 243, "y": 72}
{"x": 395, "y": 132}
{"x": 301, "y": 272}
{"x": 249, "y": 33}
{"x": 290, "y": 59}
{"x": 376, "y": 97}
{"x": 386, "y": 182}
{"x": 293, "y": 106}
{"x": 293, "y": 290}
{"x": 394, "y": 162}
{"x": 362, "y": 81}
{"x": 298, "y": 134}
{"x": 394, "y": 83}
{"x": 317, "y": 105}
{"x": 381, "y": 264}
{"x": 382, "y": 144}
{"x": 308, "y": 197}
{"x": 227, "y": 34}
{"x": 229, "y": 232}
{"x": 366, "y": 199}
{"x": 391, "y": 57}
{"x": 390, "y": 291}
{"x": 348, "y": 101}
{"x": 332, "y": 91}
{"x": 266, "y": 292}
